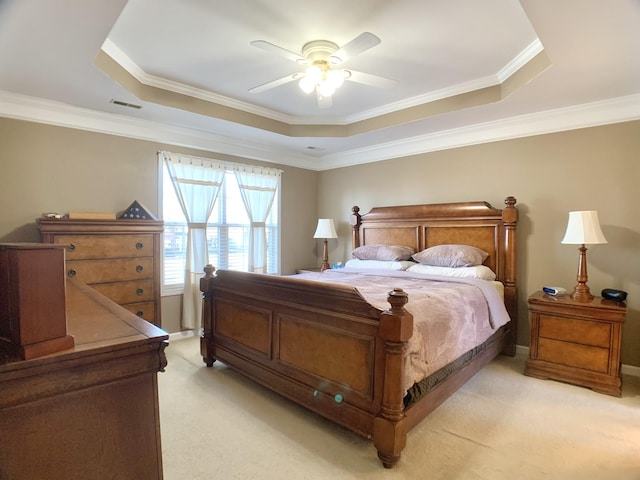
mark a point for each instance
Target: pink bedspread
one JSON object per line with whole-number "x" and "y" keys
{"x": 451, "y": 315}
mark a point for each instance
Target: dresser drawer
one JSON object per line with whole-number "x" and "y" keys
{"x": 586, "y": 357}
{"x": 115, "y": 270}
{"x": 127, "y": 292}
{"x": 144, "y": 310}
{"x": 585, "y": 332}
{"x": 106, "y": 246}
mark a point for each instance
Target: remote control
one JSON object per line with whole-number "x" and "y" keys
{"x": 554, "y": 290}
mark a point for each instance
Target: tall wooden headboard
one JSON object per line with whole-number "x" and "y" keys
{"x": 469, "y": 223}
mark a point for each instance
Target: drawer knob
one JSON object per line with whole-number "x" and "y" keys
{"x": 139, "y": 313}
{"x": 139, "y": 268}
{"x": 139, "y": 245}
{"x": 139, "y": 291}
{"x": 71, "y": 247}
{"x": 71, "y": 273}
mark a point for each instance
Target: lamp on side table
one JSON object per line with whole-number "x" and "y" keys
{"x": 326, "y": 230}
{"x": 583, "y": 228}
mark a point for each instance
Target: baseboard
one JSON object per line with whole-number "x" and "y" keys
{"x": 631, "y": 370}
{"x": 184, "y": 334}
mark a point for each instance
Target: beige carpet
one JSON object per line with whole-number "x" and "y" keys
{"x": 500, "y": 425}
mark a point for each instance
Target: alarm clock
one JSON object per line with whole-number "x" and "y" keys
{"x": 616, "y": 295}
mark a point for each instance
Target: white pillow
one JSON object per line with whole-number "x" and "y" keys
{"x": 477, "y": 271}
{"x": 397, "y": 265}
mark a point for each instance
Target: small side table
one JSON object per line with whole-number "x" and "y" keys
{"x": 308, "y": 270}
{"x": 576, "y": 342}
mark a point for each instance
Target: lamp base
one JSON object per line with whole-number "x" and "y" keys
{"x": 581, "y": 293}
{"x": 325, "y": 257}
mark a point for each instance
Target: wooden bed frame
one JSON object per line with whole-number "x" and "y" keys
{"x": 325, "y": 348}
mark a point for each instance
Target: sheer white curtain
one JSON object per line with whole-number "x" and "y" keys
{"x": 197, "y": 182}
{"x": 258, "y": 186}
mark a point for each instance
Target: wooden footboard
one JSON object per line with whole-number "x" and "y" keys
{"x": 341, "y": 359}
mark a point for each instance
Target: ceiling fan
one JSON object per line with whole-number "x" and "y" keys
{"x": 321, "y": 60}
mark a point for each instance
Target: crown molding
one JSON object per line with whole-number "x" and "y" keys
{"x": 130, "y": 66}
{"x": 513, "y": 66}
{"x": 37, "y": 110}
{"x": 520, "y": 60}
{"x": 525, "y": 56}
{"x": 616, "y": 110}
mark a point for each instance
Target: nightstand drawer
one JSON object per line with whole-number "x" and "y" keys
{"x": 573, "y": 355}
{"x": 585, "y": 332}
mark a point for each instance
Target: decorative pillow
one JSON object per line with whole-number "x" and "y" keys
{"x": 451, "y": 256}
{"x": 383, "y": 252}
{"x": 477, "y": 271}
{"x": 358, "y": 264}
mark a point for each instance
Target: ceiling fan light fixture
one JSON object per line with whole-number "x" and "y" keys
{"x": 320, "y": 58}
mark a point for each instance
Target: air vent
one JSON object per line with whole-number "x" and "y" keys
{"x": 125, "y": 104}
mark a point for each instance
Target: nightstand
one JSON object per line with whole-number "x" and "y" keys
{"x": 308, "y": 270}
{"x": 576, "y": 342}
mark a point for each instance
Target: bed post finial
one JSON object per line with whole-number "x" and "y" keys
{"x": 510, "y": 201}
{"x": 208, "y": 270}
{"x": 356, "y": 221}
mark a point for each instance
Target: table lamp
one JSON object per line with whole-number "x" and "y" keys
{"x": 325, "y": 230}
{"x": 583, "y": 228}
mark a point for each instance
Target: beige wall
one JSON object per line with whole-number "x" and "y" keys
{"x": 45, "y": 168}
{"x": 550, "y": 175}
{"x": 52, "y": 169}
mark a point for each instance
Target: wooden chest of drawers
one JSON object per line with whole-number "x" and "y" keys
{"x": 576, "y": 342}
{"x": 118, "y": 258}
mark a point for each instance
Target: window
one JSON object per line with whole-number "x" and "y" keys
{"x": 227, "y": 232}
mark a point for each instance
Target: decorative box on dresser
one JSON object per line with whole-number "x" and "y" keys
{"x": 118, "y": 258}
{"x": 576, "y": 342}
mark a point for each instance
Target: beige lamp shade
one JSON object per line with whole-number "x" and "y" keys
{"x": 325, "y": 229}
{"x": 583, "y": 228}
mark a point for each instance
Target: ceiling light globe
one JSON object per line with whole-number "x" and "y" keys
{"x": 307, "y": 85}
{"x": 335, "y": 78}
{"x": 314, "y": 73}
{"x": 325, "y": 89}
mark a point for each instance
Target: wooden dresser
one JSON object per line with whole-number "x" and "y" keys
{"x": 118, "y": 258}
{"x": 90, "y": 411}
{"x": 576, "y": 342}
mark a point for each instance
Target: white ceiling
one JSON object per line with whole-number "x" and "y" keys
{"x": 190, "y": 64}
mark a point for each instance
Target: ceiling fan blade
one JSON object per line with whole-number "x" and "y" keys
{"x": 371, "y": 80}
{"x": 275, "y": 83}
{"x": 323, "y": 101}
{"x": 271, "y": 48}
{"x": 362, "y": 42}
